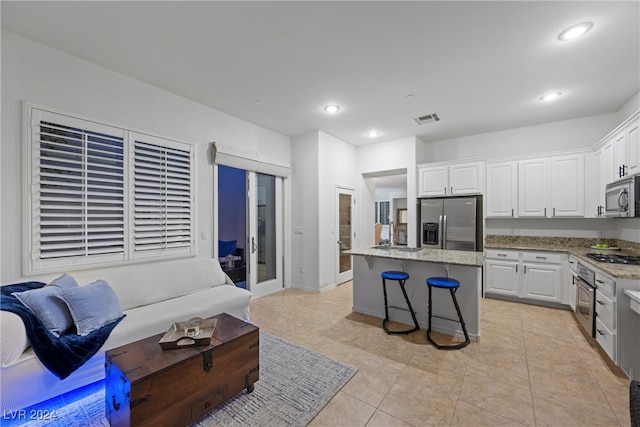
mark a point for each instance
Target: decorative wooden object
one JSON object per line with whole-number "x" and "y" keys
{"x": 148, "y": 386}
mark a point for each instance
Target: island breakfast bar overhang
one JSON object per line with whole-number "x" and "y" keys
{"x": 420, "y": 264}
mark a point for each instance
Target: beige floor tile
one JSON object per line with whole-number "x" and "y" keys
{"x": 578, "y": 392}
{"x": 554, "y": 412}
{"x": 419, "y": 406}
{"x": 511, "y": 400}
{"x": 382, "y": 419}
{"x": 375, "y": 377}
{"x": 532, "y": 366}
{"x": 468, "y": 415}
{"x": 344, "y": 410}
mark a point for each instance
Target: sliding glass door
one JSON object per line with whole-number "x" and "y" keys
{"x": 250, "y": 228}
{"x": 265, "y": 228}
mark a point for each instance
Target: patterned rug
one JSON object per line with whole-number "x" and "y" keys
{"x": 295, "y": 384}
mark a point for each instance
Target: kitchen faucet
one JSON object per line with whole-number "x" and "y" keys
{"x": 390, "y": 234}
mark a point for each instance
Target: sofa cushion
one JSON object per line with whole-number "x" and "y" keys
{"x": 142, "y": 322}
{"x": 13, "y": 337}
{"x": 92, "y": 306}
{"x": 47, "y": 307}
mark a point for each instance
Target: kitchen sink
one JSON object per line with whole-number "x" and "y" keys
{"x": 407, "y": 249}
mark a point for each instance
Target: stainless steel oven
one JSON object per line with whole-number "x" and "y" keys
{"x": 585, "y": 298}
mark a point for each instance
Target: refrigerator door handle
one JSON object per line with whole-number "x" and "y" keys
{"x": 440, "y": 232}
{"x": 443, "y": 245}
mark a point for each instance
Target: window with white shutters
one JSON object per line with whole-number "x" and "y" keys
{"x": 101, "y": 195}
{"x": 162, "y": 196}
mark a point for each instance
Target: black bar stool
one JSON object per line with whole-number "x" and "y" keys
{"x": 401, "y": 277}
{"x": 452, "y": 285}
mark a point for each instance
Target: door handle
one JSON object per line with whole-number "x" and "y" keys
{"x": 254, "y": 247}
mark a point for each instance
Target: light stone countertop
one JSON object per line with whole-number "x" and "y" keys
{"x": 438, "y": 256}
{"x": 578, "y": 247}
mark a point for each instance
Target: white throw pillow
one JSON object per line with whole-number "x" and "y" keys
{"x": 47, "y": 306}
{"x": 92, "y": 306}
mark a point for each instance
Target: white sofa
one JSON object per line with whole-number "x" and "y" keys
{"x": 152, "y": 295}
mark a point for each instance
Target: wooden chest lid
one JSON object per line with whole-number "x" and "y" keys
{"x": 144, "y": 358}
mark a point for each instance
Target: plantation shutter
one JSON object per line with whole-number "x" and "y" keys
{"x": 78, "y": 193}
{"x": 162, "y": 197}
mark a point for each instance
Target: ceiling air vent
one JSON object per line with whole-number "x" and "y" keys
{"x": 429, "y": 118}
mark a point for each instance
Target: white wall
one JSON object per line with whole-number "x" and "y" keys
{"x": 375, "y": 159}
{"x": 337, "y": 165}
{"x": 546, "y": 138}
{"x": 50, "y": 78}
{"x": 629, "y": 108}
{"x": 321, "y": 163}
{"x": 304, "y": 210}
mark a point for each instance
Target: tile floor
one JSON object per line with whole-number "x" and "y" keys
{"x": 532, "y": 367}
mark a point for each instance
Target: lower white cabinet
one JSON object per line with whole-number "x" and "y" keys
{"x": 502, "y": 274}
{"x": 531, "y": 275}
{"x": 606, "y": 315}
{"x": 606, "y": 338}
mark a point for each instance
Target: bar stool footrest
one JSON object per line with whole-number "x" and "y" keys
{"x": 390, "y": 332}
{"x": 447, "y": 346}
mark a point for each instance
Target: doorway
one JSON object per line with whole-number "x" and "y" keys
{"x": 344, "y": 227}
{"x": 250, "y": 213}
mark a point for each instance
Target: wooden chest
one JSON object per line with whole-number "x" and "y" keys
{"x": 146, "y": 385}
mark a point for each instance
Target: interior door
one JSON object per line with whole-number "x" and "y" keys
{"x": 264, "y": 241}
{"x": 345, "y": 234}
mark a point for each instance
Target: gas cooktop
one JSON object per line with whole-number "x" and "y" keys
{"x": 616, "y": 259}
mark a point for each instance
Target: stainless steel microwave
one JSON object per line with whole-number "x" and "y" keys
{"x": 622, "y": 198}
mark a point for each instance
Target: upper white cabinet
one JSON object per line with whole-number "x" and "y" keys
{"x": 451, "y": 179}
{"x": 536, "y": 187}
{"x": 552, "y": 187}
{"x": 567, "y": 185}
{"x": 533, "y": 187}
{"x": 620, "y": 152}
{"x": 433, "y": 181}
{"x": 502, "y": 189}
{"x": 633, "y": 147}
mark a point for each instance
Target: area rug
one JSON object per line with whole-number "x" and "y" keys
{"x": 295, "y": 384}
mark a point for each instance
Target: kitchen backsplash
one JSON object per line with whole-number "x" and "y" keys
{"x": 494, "y": 240}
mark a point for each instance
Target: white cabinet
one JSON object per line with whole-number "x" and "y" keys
{"x": 501, "y": 273}
{"x": 552, "y": 187}
{"x": 533, "y": 187}
{"x": 502, "y": 189}
{"x": 535, "y": 276}
{"x": 620, "y": 154}
{"x": 450, "y": 180}
{"x": 621, "y": 151}
{"x": 433, "y": 181}
{"x": 542, "y": 277}
{"x": 569, "y": 292}
{"x": 598, "y": 184}
{"x": 626, "y": 150}
{"x": 633, "y": 147}
{"x": 567, "y": 185}
{"x": 606, "y": 314}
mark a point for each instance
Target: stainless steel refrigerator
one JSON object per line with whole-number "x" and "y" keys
{"x": 453, "y": 223}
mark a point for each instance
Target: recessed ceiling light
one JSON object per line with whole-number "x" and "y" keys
{"x": 550, "y": 96}
{"x": 575, "y": 31}
{"x": 331, "y": 109}
{"x": 372, "y": 133}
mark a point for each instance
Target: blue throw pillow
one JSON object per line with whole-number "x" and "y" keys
{"x": 226, "y": 247}
{"x": 47, "y": 306}
{"x": 92, "y": 306}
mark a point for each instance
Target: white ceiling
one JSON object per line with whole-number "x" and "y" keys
{"x": 481, "y": 66}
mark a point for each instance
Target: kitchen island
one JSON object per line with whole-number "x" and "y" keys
{"x": 368, "y": 298}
